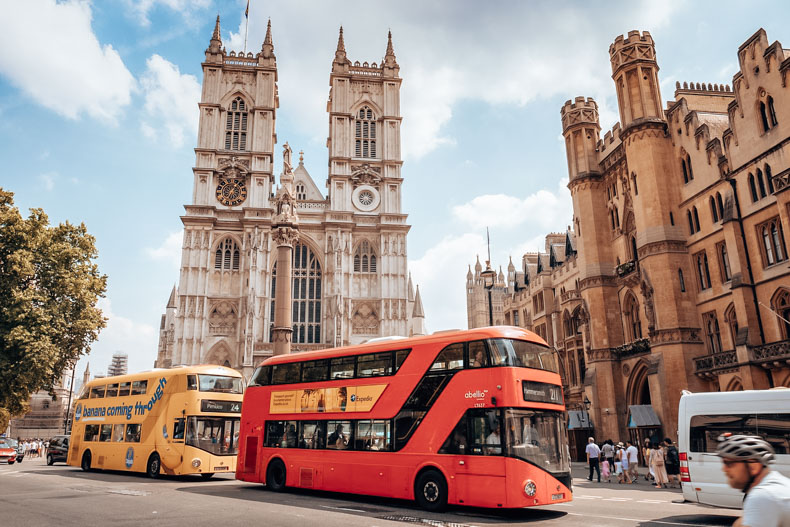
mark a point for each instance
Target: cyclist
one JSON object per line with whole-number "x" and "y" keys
{"x": 745, "y": 461}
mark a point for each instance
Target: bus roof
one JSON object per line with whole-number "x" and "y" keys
{"x": 210, "y": 369}
{"x": 403, "y": 343}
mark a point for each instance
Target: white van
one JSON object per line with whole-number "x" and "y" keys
{"x": 703, "y": 417}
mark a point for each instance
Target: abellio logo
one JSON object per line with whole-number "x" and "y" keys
{"x": 78, "y": 412}
{"x": 130, "y": 457}
{"x": 477, "y": 394}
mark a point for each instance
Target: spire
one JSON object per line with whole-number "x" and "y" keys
{"x": 478, "y": 267}
{"x": 390, "y": 65}
{"x": 215, "y": 44}
{"x": 341, "y": 45}
{"x": 410, "y": 291}
{"x": 469, "y": 273}
{"x": 341, "y": 62}
{"x": 418, "y": 311}
{"x": 510, "y": 266}
{"x": 268, "y": 46}
{"x": 172, "y": 301}
{"x": 390, "y": 51}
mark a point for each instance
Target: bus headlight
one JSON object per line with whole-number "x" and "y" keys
{"x": 196, "y": 462}
{"x": 530, "y": 488}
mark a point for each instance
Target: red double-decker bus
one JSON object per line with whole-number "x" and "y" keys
{"x": 465, "y": 417}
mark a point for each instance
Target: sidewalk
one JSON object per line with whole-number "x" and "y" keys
{"x": 580, "y": 470}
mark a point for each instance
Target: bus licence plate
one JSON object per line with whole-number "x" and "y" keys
{"x": 557, "y": 496}
{"x": 226, "y": 468}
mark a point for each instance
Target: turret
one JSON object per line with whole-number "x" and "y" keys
{"x": 581, "y": 129}
{"x": 469, "y": 275}
{"x": 635, "y": 74}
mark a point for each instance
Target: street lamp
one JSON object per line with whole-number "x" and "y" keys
{"x": 587, "y": 404}
{"x": 489, "y": 277}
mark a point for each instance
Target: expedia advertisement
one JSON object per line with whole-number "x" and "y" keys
{"x": 87, "y": 412}
{"x": 329, "y": 400}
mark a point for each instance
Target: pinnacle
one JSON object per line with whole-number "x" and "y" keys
{"x": 268, "y": 39}
{"x": 390, "y": 51}
{"x": 341, "y": 45}
{"x": 216, "y": 34}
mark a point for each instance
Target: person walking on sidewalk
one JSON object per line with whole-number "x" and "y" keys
{"x": 657, "y": 464}
{"x": 607, "y": 453}
{"x": 593, "y": 457}
{"x": 633, "y": 461}
{"x": 672, "y": 462}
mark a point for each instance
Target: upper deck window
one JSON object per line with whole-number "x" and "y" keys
{"x": 509, "y": 352}
{"x": 220, "y": 383}
{"x": 97, "y": 392}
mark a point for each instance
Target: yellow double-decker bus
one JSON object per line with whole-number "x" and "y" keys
{"x": 182, "y": 420}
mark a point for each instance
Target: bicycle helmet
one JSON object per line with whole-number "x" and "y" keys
{"x": 745, "y": 448}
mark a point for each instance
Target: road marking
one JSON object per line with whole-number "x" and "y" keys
{"x": 587, "y": 497}
{"x": 652, "y": 501}
{"x": 638, "y": 520}
{"x": 342, "y": 508}
{"x": 617, "y": 499}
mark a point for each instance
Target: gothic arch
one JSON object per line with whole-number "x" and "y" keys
{"x": 633, "y": 322}
{"x": 219, "y": 354}
{"x": 222, "y": 236}
{"x": 731, "y": 319}
{"x": 377, "y": 111}
{"x": 237, "y": 92}
{"x": 638, "y": 388}
{"x": 780, "y": 303}
{"x": 735, "y": 385}
{"x": 365, "y": 320}
{"x": 785, "y": 382}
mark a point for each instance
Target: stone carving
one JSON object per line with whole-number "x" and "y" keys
{"x": 235, "y": 162}
{"x": 365, "y": 321}
{"x": 647, "y": 294}
{"x": 222, "y": 319}
{"x": 285, "y": 236}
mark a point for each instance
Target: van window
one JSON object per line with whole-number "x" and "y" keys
{"x": 706, "y": 429}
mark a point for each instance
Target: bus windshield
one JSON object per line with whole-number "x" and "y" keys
{"x": 509, "y": 352}
{"x": 217, "y": 435}
{"x": 220, "y": 383}
{"x": 538, "y": 436}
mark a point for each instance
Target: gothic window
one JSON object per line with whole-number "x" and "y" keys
{"x": 671, "y": 218}
{"x": 781, "y": 306}
{"x": 616, "y": 217}
{"x": 301, "y": 193}
{"x": 761, "y": 183}
{"x": 227, "y": 255}
{"x": 703, "y": 272}
{"x": 365, "y": 134}
{"x": 633, "y": 323}
{"x": 720, "y": 206}
{"x": 711, "y": 324}
{"x": 306, "y": 294}
{"x": 769, "y": 178}
{"x": 364, "y": 258}
{"x": 681, "y": 281}
{"x": 685, "y": 171}
{"x": 236, "y": 125}
{"x": 713, "y": 210}
{"x": 636, "y": 189}
{"x": 688, "y": 165}
{"x": 696, "y": 219}
{"x": 773, "y": 246}
{"x": 724, "y": 262}
{"x": 732, "y": 323}
{"x": 772, "y": 111}
{"x": 764, "y": 117}
{"x": 752, "y": 188}
{"x": 691, "y": 222}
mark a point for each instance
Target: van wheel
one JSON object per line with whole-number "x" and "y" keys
{"x": 275, "y": 475}
{"x": 86, "y": 461}
{"x": 206, "y": 475}
{"x": 154, "y": 464}
{"x": 430, "y": 491}
{"x": 50, "y": 459}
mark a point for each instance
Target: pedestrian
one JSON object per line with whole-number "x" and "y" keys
{"x": 593, "y": 455}
{"x": 633, "y": 461}
{"x": 607, "y": 452}
{"x": 606, "y": 470}
{"x": 624, "y": 462}
{"x": 745, "y": 461}
{"x": 672, "y": 462}
{"x": 646, "y": 457}
{"x": 658, "y": 466}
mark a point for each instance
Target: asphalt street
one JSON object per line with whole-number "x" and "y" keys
{"x": 33, "y": 494}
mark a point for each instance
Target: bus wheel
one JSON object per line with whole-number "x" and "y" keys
{"x": 50, "y": 459}
{"x": 86, "y": 461}
{"x": 275, "y": 475}
{"x": 153, "y": 466}
{"x": 430, "y": 491}
{"x": 206, "y": 475}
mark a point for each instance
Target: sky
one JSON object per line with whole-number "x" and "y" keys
{"x": 98, "y": 119}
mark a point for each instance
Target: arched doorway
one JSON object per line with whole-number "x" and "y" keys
{"x": 219, "y": 354}
{"x": 643, "y": 422}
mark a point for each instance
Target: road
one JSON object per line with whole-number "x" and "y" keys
{"x": 33, "y": 494}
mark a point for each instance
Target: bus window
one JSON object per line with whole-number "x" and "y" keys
{"x": 372, "y": 434}
{"x": 217, "y": 435}
{"x": 340, "y": 437}
{"x": 315, "y": 370}
{"x": 537, "y": 436}
{"x": 117, "y": 433}
{"x": 342, "y": 368}
{"x": 312, "y": 434}
{"x": 274, "y": 433}
{"x": 192, "y": 382}
{"x": 106, "y": 433}
{"x": 124, "y": 389}
{"x": 486, "y": 433}
{"x": 178, "y": 429}
{"x": 286, "y": 373}
{"x": 84, "y": 392}
{"x": 374, "y": 365}
{"x": 478, "y": 356}
{"x": 219, "y": 383}
{"x": 450, "y": 358}
{"x": 133, "y": 433}
{"x": 508, "y": 352}
{"x": 261, "y": 377}
{"x": 112, "y": 390}
{"x": 97, "y": 392}
{"x": 499, "y": 352}
{"x": 91, "y": 432}
{"x": 400, "y": 356}
{"x": 457, "y": 442}
{"x": 139, "y": 387}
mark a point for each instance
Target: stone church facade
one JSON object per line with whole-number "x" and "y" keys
{"x": 675, "y": 274}
{"x": 350, "y": 276}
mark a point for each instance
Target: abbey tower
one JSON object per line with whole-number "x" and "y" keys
{"x": 350, "y": 276}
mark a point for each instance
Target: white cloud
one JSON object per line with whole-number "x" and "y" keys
{"x": 141, "y": 8}
{"x": 138, "y": 340}
{"x": 48, "y": 180}
{"x": 171, "y": 100}
{"x": 51, "y": 53}
{"x": 170, "y": 250}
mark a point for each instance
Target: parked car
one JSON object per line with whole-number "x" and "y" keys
{"x": 7, "y": 452}
{"x": 20, "y": 450}
{"x": 58, "y": 449}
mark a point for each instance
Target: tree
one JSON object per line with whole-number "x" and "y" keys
{"x": 49, "y": 288}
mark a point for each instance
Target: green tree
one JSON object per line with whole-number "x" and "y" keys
{"x": 49, "y": 287}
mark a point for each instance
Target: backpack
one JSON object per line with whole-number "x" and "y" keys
{"x": 672, "y": 456}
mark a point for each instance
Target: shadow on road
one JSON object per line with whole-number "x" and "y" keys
{"x": 118, "y": 475}
{"x": 374, "y": 507}
{"x": 697, "y": 519}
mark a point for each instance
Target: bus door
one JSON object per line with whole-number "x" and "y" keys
{"x": 172, "y": 449}
{"x": 479, "y": 465}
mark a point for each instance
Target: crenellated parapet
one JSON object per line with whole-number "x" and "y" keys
{"x": 582, "y": 111}
{"x": 635, "y": 48}
{"x": 581, "y": 130}
{"x": 635, "y": 75}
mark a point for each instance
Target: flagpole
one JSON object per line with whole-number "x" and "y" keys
{"x": 246, "y": 25}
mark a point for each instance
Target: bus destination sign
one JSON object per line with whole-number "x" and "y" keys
{"x": 231, "y": 407}
{"x": 541, "y": 392}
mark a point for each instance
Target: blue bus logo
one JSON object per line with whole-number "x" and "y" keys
{"x": 130, "y": 457}
{"x": 353, "y": 397}
{"x": 78, "y": 412}
{"x": 164, "y": 431}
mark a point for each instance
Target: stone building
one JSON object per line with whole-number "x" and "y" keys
{"x": 675, "y": 274}
{"x": 350, "y": 276}
{"x": 477, "y": 309}
{"x": 47, "y": 415}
